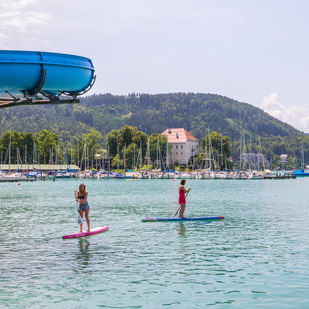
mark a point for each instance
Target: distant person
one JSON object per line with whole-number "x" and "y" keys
{"x": 81, "y": 197}
{"x": 182, "y": 197}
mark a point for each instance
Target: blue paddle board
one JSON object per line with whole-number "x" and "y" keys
{"x": 152, "y": 219}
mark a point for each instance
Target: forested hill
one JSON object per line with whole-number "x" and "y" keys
{"x": 149, "y": 113}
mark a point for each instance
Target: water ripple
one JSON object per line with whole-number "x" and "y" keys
{"x": 257, "y": 257}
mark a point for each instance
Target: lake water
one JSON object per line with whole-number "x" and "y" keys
{"x": 257, "y": 257}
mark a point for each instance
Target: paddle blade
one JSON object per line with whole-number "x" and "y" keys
{"x": 80, "y": 219}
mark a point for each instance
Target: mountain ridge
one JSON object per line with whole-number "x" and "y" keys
{"x": 150, "y": 113}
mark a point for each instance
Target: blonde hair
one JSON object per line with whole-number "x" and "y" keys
{"x": 79, "y": 188}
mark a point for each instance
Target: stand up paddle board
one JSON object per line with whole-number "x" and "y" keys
{"x": 85, "y": 233}
{"x": 152, "y": 219}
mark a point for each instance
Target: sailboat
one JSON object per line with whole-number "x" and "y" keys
{"x": 302, "y": 172}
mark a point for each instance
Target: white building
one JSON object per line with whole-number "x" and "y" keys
{"x": 284, "y": 158}
{"x": 183, "y": 145}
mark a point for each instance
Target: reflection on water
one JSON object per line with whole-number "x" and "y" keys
{"x": 81, "y": 260}
{"x": 181, "y": 228}
{"x": 85, "y": 253}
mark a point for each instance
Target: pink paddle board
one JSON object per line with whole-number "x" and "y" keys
{"x": 85, "y": 233}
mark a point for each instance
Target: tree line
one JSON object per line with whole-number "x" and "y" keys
{"x": 133, "y": 147}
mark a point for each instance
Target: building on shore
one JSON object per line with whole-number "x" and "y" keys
{"x": 183, "y": 145}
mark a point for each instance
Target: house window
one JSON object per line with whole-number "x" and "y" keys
{"x": 181, "y": 146}
{"x": 176, "y": 146}
{"x": 182, "y": 153}
{"x": 177, "y": 153}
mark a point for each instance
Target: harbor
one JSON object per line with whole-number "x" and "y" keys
{"x": 173, "y": 154}
{"x": 54, "y": 175}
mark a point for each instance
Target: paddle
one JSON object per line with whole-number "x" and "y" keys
{"x": 180, "y": 206}
{"x": 80, "y": 219}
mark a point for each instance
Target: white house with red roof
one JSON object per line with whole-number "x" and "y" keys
{"x": 183, "y": 145}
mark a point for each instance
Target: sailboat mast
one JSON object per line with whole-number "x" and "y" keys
{"x": 167, "y": 157}
{"x": 221, "y": 152}
{"x": 10, "y": 144}
{"x": 124, "y": 158}
{"x": 240, "y": 145}
{"x": 245, "y": 150}
{"x": 211, "y": 165}
{"x": 85, "y": 147}
{"x": 109, "y": 160}
{"x": 148, "y": 153}
{"x": 77, "y": 154}
{"x": 118, "y": 158}
{"x": 141, "y": 155}
{"x": 302, "y": 156}
{"x": 134, "y": 167}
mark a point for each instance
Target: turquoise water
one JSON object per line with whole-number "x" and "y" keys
{"x": 257, "y": 257}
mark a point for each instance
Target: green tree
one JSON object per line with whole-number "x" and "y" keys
{"x": 215, "y": 142}
{"x": 46, "y": 141}
{"x": 112, "y": 142}
{"x": 126, "y": 135}
{"x": 21, "y": 145}
{"x": 4, "y": 144}
{"x": 130, "y": 156}
{"x": 141, "y": 139}
{"x": 217, "y": 148}
{"x": 93, "y": 140}
{"x": 157, "y": 145}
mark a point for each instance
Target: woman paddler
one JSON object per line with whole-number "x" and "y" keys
{"x": 81, "y": 197}
{"x": 182, "y": 197}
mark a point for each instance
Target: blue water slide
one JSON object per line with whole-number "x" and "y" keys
{"x": 51, "y": 74}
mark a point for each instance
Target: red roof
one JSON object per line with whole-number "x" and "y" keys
{"x": 179, "y": 135}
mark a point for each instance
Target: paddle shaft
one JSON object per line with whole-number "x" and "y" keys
{"x": 180, "y": 206}
{"x": 80, "y": 219}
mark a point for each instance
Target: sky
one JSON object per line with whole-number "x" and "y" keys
{"x": 251, "y": 51}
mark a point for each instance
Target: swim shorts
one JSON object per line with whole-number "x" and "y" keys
{"x": 83, "y": 207}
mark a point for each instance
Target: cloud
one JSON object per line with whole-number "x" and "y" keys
{"x": 14, "y": 5}
{"x": 304, "y": 123}
{"x": 293, "y": 114}
{"x": 20, "y": 19}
